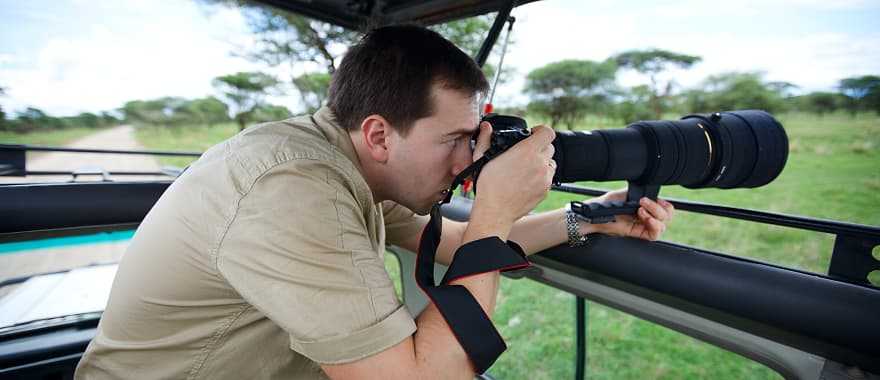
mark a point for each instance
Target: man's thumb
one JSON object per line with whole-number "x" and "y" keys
{"x": 543, "y": 135}
{"x": 484, "y": 140}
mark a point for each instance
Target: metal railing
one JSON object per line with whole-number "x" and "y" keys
{"x": 13, "y": 162}
{"x": 851, "y": 260}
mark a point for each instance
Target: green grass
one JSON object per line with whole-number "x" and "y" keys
{"x": 46, "y": 138}
{"x": 183, "y": 138}
{"x": 833, "y": 172}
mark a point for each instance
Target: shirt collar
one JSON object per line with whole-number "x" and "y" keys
{"x": 326, "y": 122}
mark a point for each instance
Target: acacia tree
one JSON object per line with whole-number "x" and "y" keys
{"x": 32, "y": 119}
{"x": 863, "y": 93}
{"x": 468, "y": 34}
{"x": 566, "y": 90}
{"x": 652, "y": 62}
{"x": 154, "y": 111}
{"x": 205, "y": 111}
{"x": 735, "y": 90}
{"x": 244, "y": 92}
{"x": 822, "y": 102}
{"x": 312, "y": 89}
{"x": 288, "y": 39}
{"x": 633, "y": 105}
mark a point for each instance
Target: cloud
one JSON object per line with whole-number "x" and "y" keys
{"x": 102, "y": 53}
{"x": 103, "y": 66}
{"x": 829, "y": 5}
{"x": 729, "y": 37}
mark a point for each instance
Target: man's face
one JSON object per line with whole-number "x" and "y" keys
{"x": 425, "y": 162}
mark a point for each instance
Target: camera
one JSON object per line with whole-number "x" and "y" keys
{"x": 735, "y": 149}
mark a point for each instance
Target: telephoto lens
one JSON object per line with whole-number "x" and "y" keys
{"x": 736, "y": 149}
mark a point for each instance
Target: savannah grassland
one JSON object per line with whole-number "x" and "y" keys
{"x": 833, "y": 172}
{"x": 45, "y": 138}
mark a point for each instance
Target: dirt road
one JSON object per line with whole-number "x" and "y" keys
{"x": 121, "y": 137}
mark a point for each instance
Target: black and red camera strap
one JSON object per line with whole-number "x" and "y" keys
{"x": 469, "y": 323}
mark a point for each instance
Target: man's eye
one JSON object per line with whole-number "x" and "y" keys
{"x": 454, "y": 143}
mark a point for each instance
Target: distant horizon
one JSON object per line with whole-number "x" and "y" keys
{"x": 73, "y": 56}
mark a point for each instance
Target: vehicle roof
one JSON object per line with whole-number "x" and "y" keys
{"x": 355, "y": 14}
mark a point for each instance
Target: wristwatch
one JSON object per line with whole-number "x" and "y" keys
{"x": 575, "y": 238}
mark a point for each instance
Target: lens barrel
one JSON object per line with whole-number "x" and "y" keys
{"x": 725, "y": 150}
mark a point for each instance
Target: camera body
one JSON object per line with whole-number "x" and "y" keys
{"x": 506, "y": 132}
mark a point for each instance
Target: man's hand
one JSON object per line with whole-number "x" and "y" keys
{"x": 649, "y": 222}
{"x": 512, "y": 184}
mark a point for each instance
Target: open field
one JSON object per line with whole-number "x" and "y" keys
{"x": 195, "y": 139}
{"x": 48, "y": 138}
{"x": 833, "y": 172}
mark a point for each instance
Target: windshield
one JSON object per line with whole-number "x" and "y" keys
{"x": 185, "y": 75}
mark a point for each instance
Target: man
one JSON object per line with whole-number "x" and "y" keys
{"x": 265, "y": 258}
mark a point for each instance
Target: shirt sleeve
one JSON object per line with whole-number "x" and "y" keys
{"x": 299, "y": 250}
{"x": 401, "y": 224}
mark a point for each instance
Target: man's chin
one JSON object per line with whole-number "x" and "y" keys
{"x": 423, "y": 207}
{"x": 425, "y": 210}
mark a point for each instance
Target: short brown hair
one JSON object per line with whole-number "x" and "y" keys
{"x": 390, "y": 72}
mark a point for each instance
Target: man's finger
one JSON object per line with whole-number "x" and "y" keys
{"x": 549, "y": 150}
{"x": 656, "y": 228}
{"x": 542, "y": 136}
{"x": 484, "y": 139}
{"x": 670, "y": 209}
{"x": 643, "y": 214}
{"x": 654, "y": 208}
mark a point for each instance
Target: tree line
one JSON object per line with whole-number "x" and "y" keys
{"x": 34, "y": 119}
{"x": 562, "y": 92}
{"x": 565, "y": 92}
{"x": 242, "y": 101}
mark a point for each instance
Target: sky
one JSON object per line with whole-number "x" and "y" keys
{"x": 72, "y": 56}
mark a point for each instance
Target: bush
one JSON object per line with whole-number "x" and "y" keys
{"x": 270, "y": 112}
{"x": 734, "y": 91}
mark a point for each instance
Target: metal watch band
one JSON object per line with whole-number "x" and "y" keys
{"x": 575, "y": 238}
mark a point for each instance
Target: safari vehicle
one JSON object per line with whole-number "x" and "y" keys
{"x": 802, "y": 325}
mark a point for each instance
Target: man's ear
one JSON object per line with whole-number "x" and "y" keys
{"x": 377, "y": 132}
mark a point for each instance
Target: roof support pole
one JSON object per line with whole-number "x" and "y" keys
{"x": 492, "y": 37}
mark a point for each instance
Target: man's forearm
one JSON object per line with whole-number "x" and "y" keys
{"x": 537, "y": 232}
{"x": 437, "y": 348}
{"x": 534, "y": 233}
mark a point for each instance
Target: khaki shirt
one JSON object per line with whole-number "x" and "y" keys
{"x": 262, "y": 260}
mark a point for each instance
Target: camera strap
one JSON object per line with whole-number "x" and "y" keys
{"x": 474, "y": 170}
{"x": 469, "y": 323}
